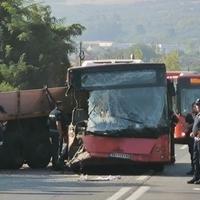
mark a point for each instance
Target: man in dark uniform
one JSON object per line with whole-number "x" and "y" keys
{"x": 189, "y": 119}
{"x": 2, "y": 125}
{"x": 58, "y": 129}
{"x": 174, "y": 121}
{"x": 196, "y": 151}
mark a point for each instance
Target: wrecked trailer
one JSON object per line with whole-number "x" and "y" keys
{"x": 26, "y": 139}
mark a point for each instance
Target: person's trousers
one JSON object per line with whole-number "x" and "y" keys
{"x": 196, "y": 159}
{"x": 56, "y": 148}
{"x": 191, "y": 149}
{"x": 64, "y": 152}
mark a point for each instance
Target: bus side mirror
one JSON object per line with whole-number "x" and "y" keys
{"x": 79, "y": 115}
{"x": 68, "y": 90}
{"x": 171, "y": 88}
{"x": 174, "y": 119}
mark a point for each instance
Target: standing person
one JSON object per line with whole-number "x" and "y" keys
{"x": 58, "y": 129}
{"x": 189, "y": 119}
{"x": 196, "y": 151}
{"x": 174, "y": 121}
{"x": 2, "y": 125}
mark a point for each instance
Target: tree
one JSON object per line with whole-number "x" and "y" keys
{"x": 138, "y": 53}
{"x": 34, "y": 45}
{"x": 172, "y": 61}
{"x": 145, "y": 52}
{"x": 5, "y": 87}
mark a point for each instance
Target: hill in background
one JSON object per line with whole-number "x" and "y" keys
{"x": 174, "y": 22}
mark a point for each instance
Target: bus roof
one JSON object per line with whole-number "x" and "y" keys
{"x": 176, "y": 74}
{"x": 190, "y": 74}
{"x": 110, "y": 61}
{"x": 117, "y": 66}
{"x": 145, "y": 69}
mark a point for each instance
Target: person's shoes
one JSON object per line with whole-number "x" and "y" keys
{"x": 191, "y": 172}
{"x": 197, "y": 182}
{"x": 192, "y": 181}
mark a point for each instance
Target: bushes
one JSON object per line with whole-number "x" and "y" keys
{"x": 4, "y": 87}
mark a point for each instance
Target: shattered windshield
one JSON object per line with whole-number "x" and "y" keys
{"x": 117, "y": 78}
{"x": 188, "y": 96}
{"x": 127, "y": 108}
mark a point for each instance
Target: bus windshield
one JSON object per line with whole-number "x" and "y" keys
{"x": 127, "y": 108}
{"x": 117, "y": 79}
{"x": 188, "y": 96}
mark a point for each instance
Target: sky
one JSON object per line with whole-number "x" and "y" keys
{"x": 98, "y": 1}
{"x": 78, "y": 2}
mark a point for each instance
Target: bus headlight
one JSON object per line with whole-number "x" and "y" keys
{"x": 183, "y": 134}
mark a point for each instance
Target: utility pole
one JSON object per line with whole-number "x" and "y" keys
{"x": 81, "y": 54}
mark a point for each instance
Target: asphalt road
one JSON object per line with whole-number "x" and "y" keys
{"x": 143, "y": 185}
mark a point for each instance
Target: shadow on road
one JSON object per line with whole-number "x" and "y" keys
{"x": 176, "y": 169}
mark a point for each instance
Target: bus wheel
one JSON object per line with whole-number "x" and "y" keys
{"x": 40, "y": 156}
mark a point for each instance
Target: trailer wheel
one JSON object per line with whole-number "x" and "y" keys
{"x": 2, "y": 158}
{"x": 40, "y": 156}
{"x": 16, "y": 156}
{"x": 12, "y": 152}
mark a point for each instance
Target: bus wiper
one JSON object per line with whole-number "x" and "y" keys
{"x": 131, "y": 120}
{"x": 92, "y": 110}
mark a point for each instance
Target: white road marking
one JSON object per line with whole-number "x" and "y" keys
{"x": 138, "y": 193}
{"x": 197, "y": 189}
{"x": 119, "y": 193}
{"x": 184, "y": 147}
{"x": 142, "y": 178}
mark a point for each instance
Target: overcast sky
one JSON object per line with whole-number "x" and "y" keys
{"x": 77, "y": 2}
{"x": 97, "y": 1}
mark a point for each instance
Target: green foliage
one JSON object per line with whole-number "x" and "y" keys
{"x": 138, "y": 54}
{"x": 141, "y": 51}
{"x": 34, "y": 45}
{"x": 195, "y": 68}
{"x": 172, "y": 61}
{"x": 19, "y": 75}
{"x": 5, "y": 87}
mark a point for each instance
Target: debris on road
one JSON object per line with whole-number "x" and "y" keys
{"x": 98, "y": 178}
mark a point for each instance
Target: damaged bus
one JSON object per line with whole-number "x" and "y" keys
{"x": 122, "y": 115}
